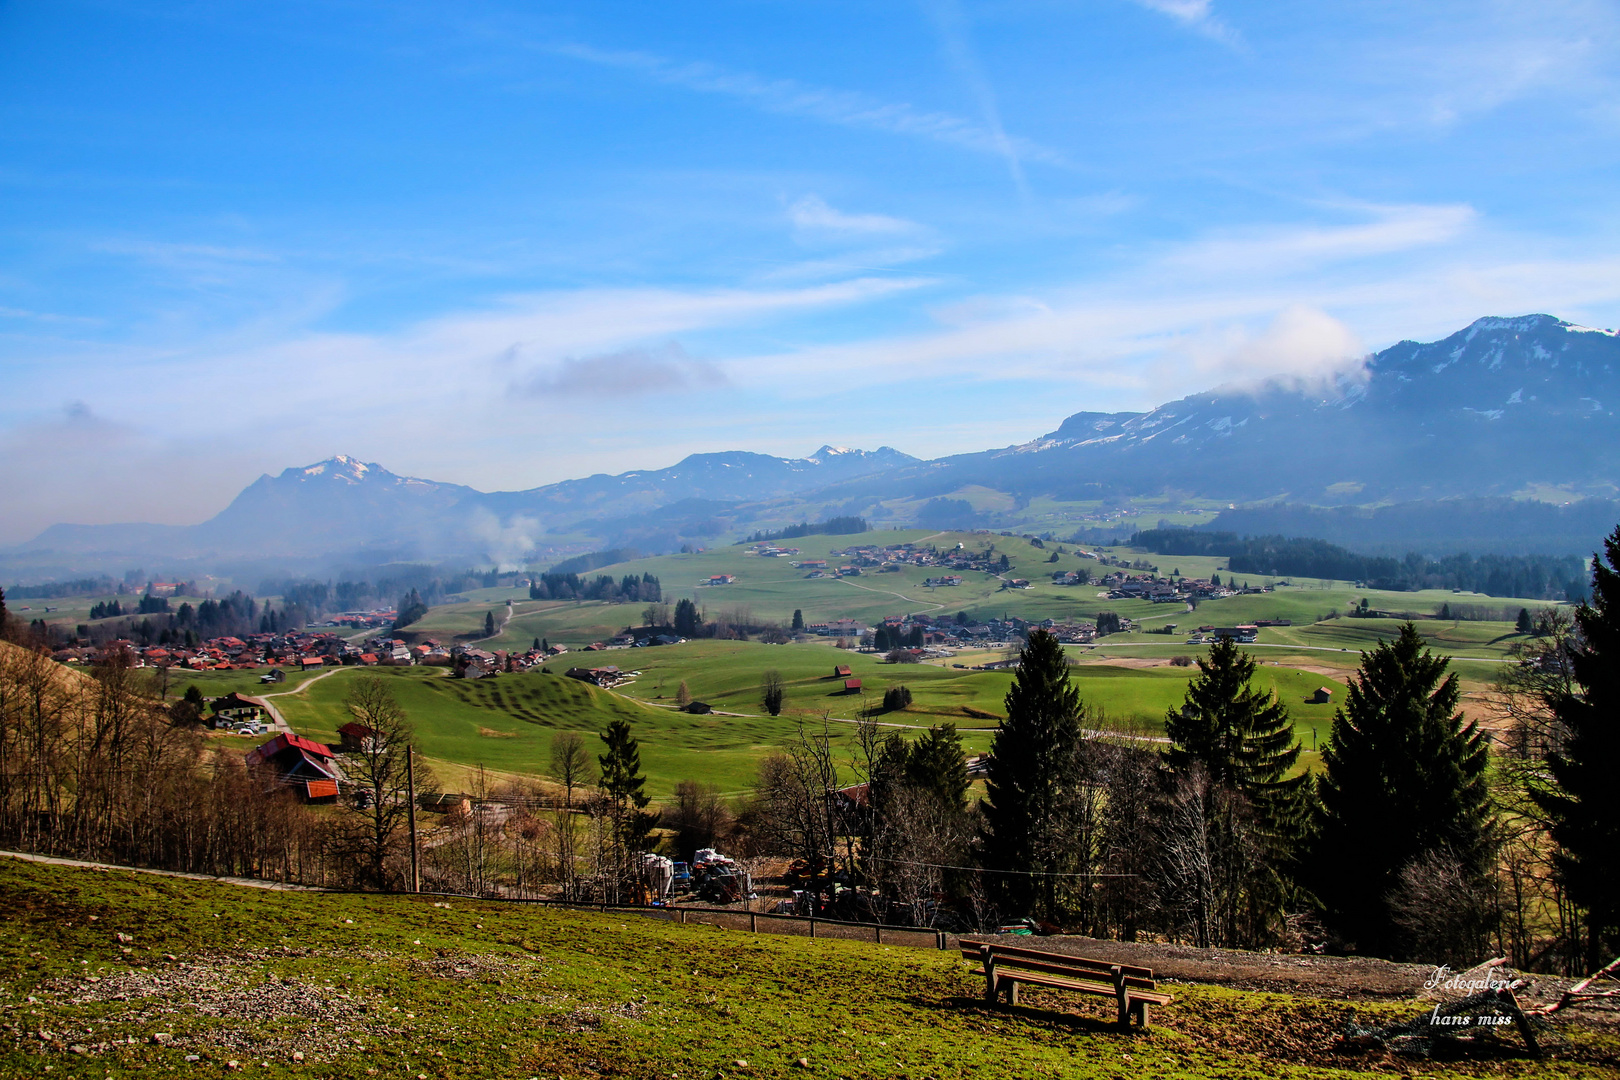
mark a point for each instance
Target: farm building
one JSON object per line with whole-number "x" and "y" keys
{"x": 1323, "y": 696}
{"x": 842, "y": 671}
{"x": 852, "y": 686}
{"x": 601, "y": 676}
{"x": 237, "y": 708}
{"x": 357, "y": 737}
{"x": 301, "y": 764}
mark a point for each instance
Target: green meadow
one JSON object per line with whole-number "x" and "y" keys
{"x": 506, "y": 723}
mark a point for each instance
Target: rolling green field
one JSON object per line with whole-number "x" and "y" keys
{"x": 771, "y": 590}
{"x": 214, "y": 980}
{"x": 507, "y": 724}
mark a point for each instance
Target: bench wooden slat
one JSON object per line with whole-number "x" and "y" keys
{"x": 971, "y": 950}
{"x": 1004, "y": 967}
{"x": 1018, "y": 963}
{"x": 1138, "y": 990}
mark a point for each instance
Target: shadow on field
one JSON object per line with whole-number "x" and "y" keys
{"x": 1051, "y": 1017}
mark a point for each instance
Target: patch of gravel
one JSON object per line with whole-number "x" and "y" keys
{"x": 262, "y": 1015}
{"x": 592, "y": 1017}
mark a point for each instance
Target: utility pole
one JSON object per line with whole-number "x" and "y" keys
{"x": 410, "y": 815}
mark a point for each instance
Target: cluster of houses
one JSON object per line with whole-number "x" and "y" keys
{"x": 771, "y": 551}
{"x": 303, "y": 649}
{"x": 1122, "y": 585}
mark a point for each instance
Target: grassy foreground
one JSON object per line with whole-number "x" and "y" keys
{"x": 211, "y": 979}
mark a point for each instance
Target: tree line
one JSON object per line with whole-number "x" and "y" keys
{"x": 629, "y": 589}
{"x": 834, "y": 526}
{"x": 1543, "y": 577}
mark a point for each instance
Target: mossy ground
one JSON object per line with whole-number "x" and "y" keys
{"x": 378, "y": 986}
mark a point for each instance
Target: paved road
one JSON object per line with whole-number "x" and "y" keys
{"x": 280, "y": 722}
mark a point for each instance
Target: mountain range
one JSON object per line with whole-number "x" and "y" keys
{"x": 1506, "y": 407}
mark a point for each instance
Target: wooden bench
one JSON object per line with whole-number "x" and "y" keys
{"x": 1005, "y": 966}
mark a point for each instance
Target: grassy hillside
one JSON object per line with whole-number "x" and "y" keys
{"x": 772, "y": 589}
{"x": 212, "y": 980}
{"x": 507, "y": 724}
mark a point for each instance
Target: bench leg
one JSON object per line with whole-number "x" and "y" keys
{"x": 1142, "y": 1011}
{"x": 1012, "y": 991}
{"x": 1119, "y": 995}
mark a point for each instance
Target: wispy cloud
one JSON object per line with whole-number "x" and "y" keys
{"x": 1196, "y": 15}
{"x": 846, "y": 108}
{"x": 812, "y": 214}
{"x": 952, "y": 23}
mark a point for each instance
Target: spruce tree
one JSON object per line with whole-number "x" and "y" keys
{"x": 798, "y": 619}
{"x": 1032, "y": 778}
{"x": 489, "y": 624}
{"x": 772, "y": 691}
{"x": 1241, "y": 734}
{"x": 937, "y": 765}
{"x": 1581, "y": 803}
{"x": 1524, "y": 625}
{"x": 1241, "y": 741}
{"x": 1404, "y": 781}
{"x": 622, "y": 782}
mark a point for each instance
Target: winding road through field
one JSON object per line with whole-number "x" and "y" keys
{"x": 275, "y": 713}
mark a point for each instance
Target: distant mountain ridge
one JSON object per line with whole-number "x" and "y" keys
{"x": 1502, "y": 407}
{"x": 360, "y": 510}
{"x": 1499, "y": 406}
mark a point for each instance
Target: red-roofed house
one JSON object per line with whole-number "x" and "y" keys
{"x": 300, "y": 763}
{"x": 356, "y": 736}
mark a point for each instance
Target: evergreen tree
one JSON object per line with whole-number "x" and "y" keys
{"x": 545, "y": 645}
{"x": 1032, "y": 780}
{"x": 772, "y": 691}
{"x": 1524, "y": 625}
{"x": 1241, "y": 741}
{"x": 536, "y": 646}
{"x": 1241, "y": 734}
{"x": 1404, "y": 783}
{"x": 1584, "y": 812}
{"x": 687, "y": 621}
{"x": 622, "y": 782}
{"x": 798, "y": 619}
{"x": 937, "y": 764}
{"x": 489, "y": 624}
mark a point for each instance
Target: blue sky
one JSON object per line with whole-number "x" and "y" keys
{"x": 507, "y": 244}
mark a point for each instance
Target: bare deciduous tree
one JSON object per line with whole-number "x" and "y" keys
{"x": 377, "y": 777}
{"x": 571, "y": 764}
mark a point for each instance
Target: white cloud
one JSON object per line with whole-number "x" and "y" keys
{"x": 1302, "y": 348}
{"x": 1392, "y": 229}
{"x": 1197, "y": 15}
{"x": 811, "y": 214}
